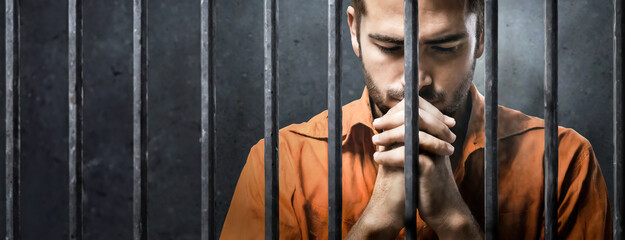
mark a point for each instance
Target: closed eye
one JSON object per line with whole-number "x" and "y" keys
{"x": 443, "y": 50}
{"x": 390, "y": 49}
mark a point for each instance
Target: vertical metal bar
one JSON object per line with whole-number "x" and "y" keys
{"x": 75, "y": 100}
{"x": 208, "y": 117}
{"x": 335, "y": 164}
{"x": 619, "y": 137}
{"x": 271, "y": 120}
{"x": 490, "y": 153}
{"x": 140, "y": 119}
{"x": 12, "y": 29}
{"x": 551, "y": 119}
{"x": 411, "y": 94}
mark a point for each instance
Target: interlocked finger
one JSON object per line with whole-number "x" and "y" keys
{"x": 434, "y": 145}
{"x": 386, "y": 138}
{"x": 390, "y": 120}
{"x": 428, "y": 143}
{"x": 395, "y": 123}
{"x": 393, "y": 157}
{"x": 428, "y": 107}
{"x": 429, "y": 123}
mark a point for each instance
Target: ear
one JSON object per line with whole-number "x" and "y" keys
{"x": 480, "y": 47}
{"x": 353, "y": 29}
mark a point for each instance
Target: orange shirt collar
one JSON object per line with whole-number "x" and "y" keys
{"x": 354, "y": 113}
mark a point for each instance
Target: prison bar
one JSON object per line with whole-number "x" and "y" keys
{"x": 140, "y": 119}
{"x": 550, "y": 160}
{"x": 208, "y": 137}
{"x": 271, "y": 119}
{"x": 618, "y": 137}
{"x": 411, "y": 96}
{"x": 491, "y": 80}
{"x": 335, "y": 137}
{"x": 12, "y": 44}
{"x": 75, "y": 101}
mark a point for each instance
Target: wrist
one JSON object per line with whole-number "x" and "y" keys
{"x": 381, "y": 224}
{"x": 383, "y": 221}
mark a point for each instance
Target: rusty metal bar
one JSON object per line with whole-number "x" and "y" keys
{"x": 12, "y": 41}
{"x": 75, "y": 101}
{"x": 271, "y": 120}
{"x": 140, "y": 119}
{"x": 208, "y": 137}
{"x": 335, "y": 163}
{"x": 411, "y": 95}
{"x": 551, "y": 119}
{"x": 619, "y": 137}
{"x": 490, "y": 152}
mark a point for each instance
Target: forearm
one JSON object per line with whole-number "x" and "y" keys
{"x": 372, "y": 225}
{"x": 454, "y": 225}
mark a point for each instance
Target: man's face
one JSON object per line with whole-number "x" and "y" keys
{"x": 447, "y": 51}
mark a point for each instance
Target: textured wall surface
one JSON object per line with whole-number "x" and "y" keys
{"x": 174, "y": 109}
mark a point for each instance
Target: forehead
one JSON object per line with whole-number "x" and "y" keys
{"x": 435, "y": 17}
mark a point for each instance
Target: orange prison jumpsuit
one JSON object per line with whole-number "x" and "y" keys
{"x": 583, "y": 209}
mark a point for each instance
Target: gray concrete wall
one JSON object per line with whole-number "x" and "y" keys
{"x": 174, "y": 175}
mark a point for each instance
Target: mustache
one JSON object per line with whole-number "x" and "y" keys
{"x": 428, "y": 93}
{"x": 397, "y": 94}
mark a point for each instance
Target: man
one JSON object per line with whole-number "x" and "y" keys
{"x": 451, "y": 133}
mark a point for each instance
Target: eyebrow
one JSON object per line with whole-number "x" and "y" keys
{"x": 386, "y": 38}
{"x": 438, "y": 40}
{"x": 446, "y": 38}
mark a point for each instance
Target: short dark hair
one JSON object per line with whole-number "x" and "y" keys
{"x": 475, "y": 6}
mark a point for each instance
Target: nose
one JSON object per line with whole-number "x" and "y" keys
{"x": 424, "y": 78}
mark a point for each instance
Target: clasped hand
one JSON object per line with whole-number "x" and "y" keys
{"x": 440, "y": 203}
{"x": 435, "y": 135}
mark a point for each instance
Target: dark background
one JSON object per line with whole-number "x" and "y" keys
{"x": 585, "y": 88}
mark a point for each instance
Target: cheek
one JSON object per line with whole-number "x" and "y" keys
{"x": 383, "y": 68}
{"x": 372, "y": 60}
{"x": 448, "y": 75}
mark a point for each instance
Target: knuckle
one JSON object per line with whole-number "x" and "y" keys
{"x": 446, "y": 133}
{"x": 378, "y": 157}
{"x": 399, "y": 134}
{"x": 440, "y": 115}
{"x": 441, "y": 145}
{"x": 397, "y": 157}
{"x": 382, "y": 137}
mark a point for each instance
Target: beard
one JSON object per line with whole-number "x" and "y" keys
{"x": 427, "y": 92}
